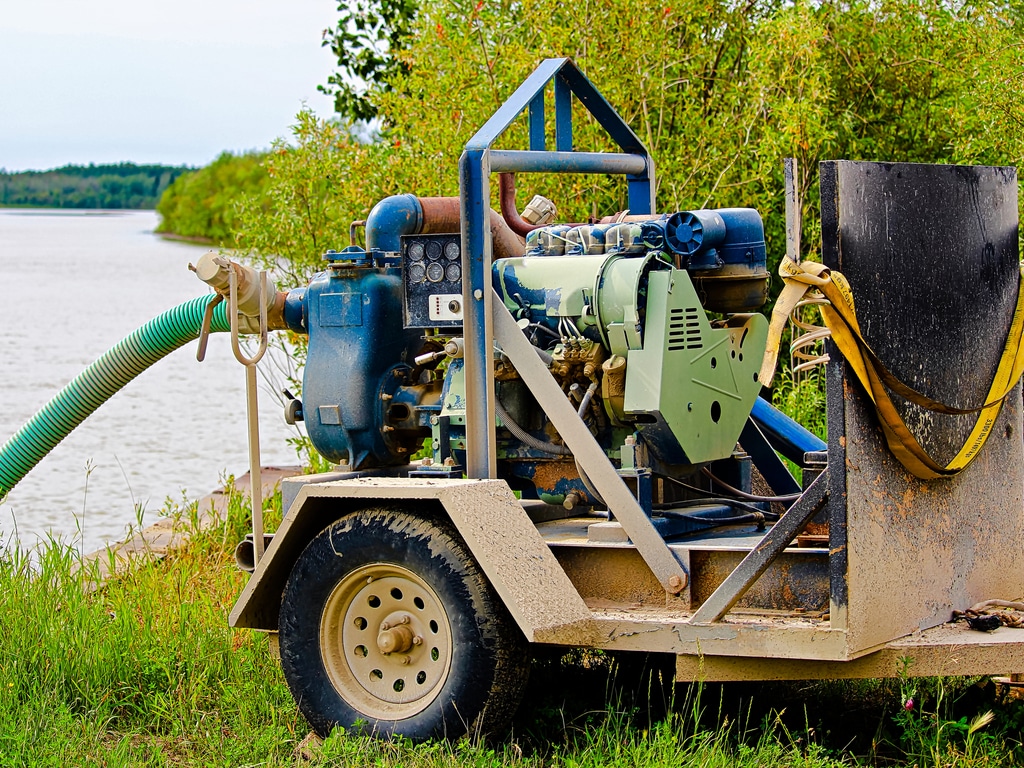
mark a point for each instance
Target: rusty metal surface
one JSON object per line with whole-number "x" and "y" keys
{"x": 609, "y": 573}
{"x": 835, "y": 508}
{"x": 759, "y": 635}
{"x": 749, "y": 570}
{"x": 946, "y": 650}
{"x": 611, "y": 576}
{"x": 797, "y": 581}
{"x": 517, "y": 562}
{"x": 917, "y": 550}
{"x": 931, "y": 254}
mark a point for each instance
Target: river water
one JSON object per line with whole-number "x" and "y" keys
{"x": 73, "y": 285}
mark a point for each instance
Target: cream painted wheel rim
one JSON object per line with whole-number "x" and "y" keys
{"x": 386, "y": 641}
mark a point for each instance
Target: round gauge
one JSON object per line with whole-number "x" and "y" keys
{"x": 433, "y": 251}
{"x": 451, "y": 251}
{"x": 417, "y": 273}
{"x": 435, "y": 273}
{"x": 416, "y": 251}
{"x": 453, "y": 273}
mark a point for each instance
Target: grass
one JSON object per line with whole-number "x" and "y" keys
{"x": 146, "y": 671}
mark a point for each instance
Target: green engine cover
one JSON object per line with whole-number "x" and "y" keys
{"x": 691, "y": 387}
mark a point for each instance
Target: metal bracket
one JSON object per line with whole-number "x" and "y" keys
{"x": 204, "y": 329}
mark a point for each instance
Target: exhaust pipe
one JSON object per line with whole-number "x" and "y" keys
{"x": 245, "y": 552}
{"x": 401, "y": 215}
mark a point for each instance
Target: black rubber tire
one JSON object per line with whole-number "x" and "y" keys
{"x": 488, "y": 665}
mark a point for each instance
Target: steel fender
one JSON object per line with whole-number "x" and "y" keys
{"x": 498, "y": 532}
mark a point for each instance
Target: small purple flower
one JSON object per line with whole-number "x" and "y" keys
{"x": 908, "y": 704}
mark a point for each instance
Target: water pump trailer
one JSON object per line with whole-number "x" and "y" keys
{"x": 548, "y": 433}
{"x": 601, "y": 470}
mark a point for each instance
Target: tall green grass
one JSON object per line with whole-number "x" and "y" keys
{"x": 145, "y": 671}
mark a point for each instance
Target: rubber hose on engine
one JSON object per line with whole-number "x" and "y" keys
{"x": 525, "y": 437}
{"x": 584, "y": 404}
{"x": 100, "y": 381}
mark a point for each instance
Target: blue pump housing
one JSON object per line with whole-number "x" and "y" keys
{"x": 356, "y": 362}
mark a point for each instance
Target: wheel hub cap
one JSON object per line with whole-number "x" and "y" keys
{"x": 395, "y": 639}
{"x": 386, "y": 641}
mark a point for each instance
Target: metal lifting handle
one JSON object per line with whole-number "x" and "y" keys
{"x": 252, "y": 411}
{"x": 204, "y": 330}
{"x": 233, "y": 315}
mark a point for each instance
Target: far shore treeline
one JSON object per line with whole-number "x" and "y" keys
{"x": 117, "y": 186}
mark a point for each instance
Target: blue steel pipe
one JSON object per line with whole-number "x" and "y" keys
{"x": 391, "y": 218}
{"x": 786, "y": 436}
{"x": 477, "y": 301}
{"x": 528, "y": 161}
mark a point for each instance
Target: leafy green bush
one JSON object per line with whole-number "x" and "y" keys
{"x": 718, "y": 91}
{"x": 201, "y": 204}
{"x": 314, "y": 189}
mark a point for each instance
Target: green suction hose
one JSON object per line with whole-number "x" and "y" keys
{"x": 97, "y": 383}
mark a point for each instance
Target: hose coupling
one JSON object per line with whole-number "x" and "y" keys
{"x": 215, "y": 270}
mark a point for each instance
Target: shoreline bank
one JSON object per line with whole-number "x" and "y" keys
{"x": 156, "y": 541}
{"x": 193, "y": 239}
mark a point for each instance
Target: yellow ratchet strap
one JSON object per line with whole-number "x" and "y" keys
{"x": 841, "y": 319}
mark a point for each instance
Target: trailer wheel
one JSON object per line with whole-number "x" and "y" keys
{"x": 388, "y": 626}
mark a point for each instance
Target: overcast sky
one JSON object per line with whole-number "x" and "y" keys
{"x": 171, "y": 82}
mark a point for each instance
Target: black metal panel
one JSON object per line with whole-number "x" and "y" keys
{"x": 432, "y": 277}
{"x": 835, "y": 373}
{"x": 931, "y": 253}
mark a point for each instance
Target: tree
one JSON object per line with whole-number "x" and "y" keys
{"x": 201, "y": 204}
{"x": 366, "y": 42}
{"x": 719, "y": 90}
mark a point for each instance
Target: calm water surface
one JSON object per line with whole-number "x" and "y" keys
{"x": 74, "y": 284}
